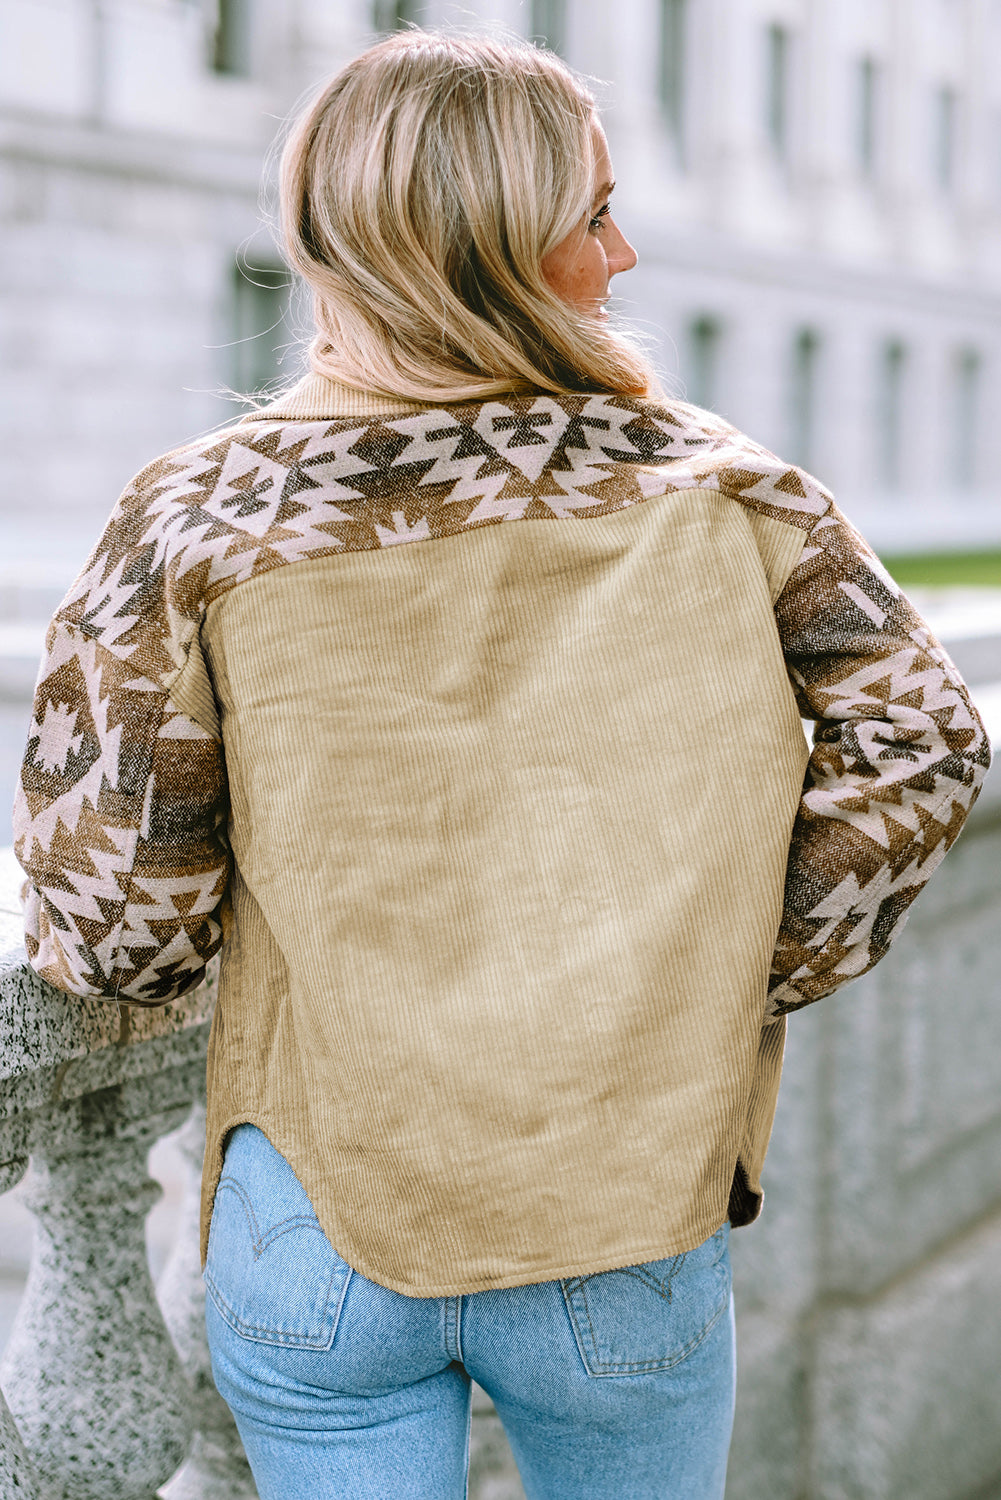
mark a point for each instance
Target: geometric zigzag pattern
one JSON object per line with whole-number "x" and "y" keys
{"x": 120, "y": 819}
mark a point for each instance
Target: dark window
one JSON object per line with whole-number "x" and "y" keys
{"x": 966, "y": 420}
{"x": 704, "y": 337}
{"x": 260, "y": 302}
{"x": 391, "y": 15}
{"x": 866, "y": 117}
{"x": 777, "y": 48}
{"x": 945, "y": 137}
{"x": 671, "y": 78}
{"x": 549, "y": 23}
{"x": 890, "y": 413}
{"x": 232, "y": 38}
{"x": 803, "y": 398}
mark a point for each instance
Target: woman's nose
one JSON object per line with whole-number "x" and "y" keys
{"x": 619, "y": 253}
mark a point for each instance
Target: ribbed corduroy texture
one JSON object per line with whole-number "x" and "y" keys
{"x": 490, "y": 704}
{"x": 507, "y": 896}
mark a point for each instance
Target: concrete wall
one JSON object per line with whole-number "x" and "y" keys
{"x": 869, "y": 1294}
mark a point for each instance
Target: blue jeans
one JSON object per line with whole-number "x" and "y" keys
{"x": 618, "y": 1384}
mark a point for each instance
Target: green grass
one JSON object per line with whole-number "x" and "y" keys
{"x": 946, "y": 569}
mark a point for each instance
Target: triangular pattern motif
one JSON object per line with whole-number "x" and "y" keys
{"x": 121, "y": 814}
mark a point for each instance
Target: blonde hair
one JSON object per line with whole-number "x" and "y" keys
{"x": 420, "y": 191}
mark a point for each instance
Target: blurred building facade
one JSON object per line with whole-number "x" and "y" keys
{"x": 814, "y": 187}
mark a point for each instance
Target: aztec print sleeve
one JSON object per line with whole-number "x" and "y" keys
{"x": 120, "y": 819}
{"x": 899, "y": 756}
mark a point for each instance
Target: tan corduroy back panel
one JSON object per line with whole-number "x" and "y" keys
{"x": 506, "y": 893}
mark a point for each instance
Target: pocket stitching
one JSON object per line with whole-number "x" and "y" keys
{"x": 248, "y": 1208}
{"x": 285, "y": 1226}
{"x": 599, "y": 1368}
{"x": 257, "y": 1332}
{"x": 262, "y": 1335}
{"x": 261, "y": 1242}
{"x": 576, "y": 1283}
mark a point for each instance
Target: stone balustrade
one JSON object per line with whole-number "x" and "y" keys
{"x": 108, "y": 1395}
{"x": 869, "y": 1294}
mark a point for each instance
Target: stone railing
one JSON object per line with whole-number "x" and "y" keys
{"x": 869, "y": 1294}
{"x": 108, "y": 1395}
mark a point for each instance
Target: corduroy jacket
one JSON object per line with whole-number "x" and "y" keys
{"x": 472, "y": 735}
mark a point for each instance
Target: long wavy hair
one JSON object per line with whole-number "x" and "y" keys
{"x": 420, "y": 191}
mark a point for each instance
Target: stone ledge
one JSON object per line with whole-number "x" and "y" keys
{"x": 89, "y": 1043}
{"x": 905, "y": 1387}
{"x": 150, "y": 156}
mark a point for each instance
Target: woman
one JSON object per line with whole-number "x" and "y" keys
{"x": 456, "y": 696}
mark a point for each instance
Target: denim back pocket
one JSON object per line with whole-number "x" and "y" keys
{"x": 649, "y": 1316}
{"x": 270, "y": 1270}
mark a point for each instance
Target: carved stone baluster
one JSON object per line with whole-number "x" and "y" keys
{"x": 217, "y": 1468}
{"x": 18, "y": 1475}
{"x": 91, "y": 1375}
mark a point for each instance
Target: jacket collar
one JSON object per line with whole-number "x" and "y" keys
{"x": 316, "y": 397}
{"x": 623, "y": 428}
